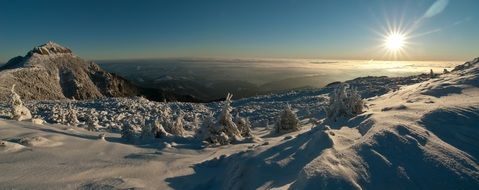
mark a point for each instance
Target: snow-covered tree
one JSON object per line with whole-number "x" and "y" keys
{"x": 288, "y": 121}
{"x": 92, "y": 121}
{"x": 158, "y": 130}
{"x": 18, "y": 111}
{"x": 344, "y": 102}
{"x": 147, "y": 130}
{"x": 225, "y": 119}
{"x": 130, "y": 132}
{"x": 224, "y": 126}
{"x": 177, "y": 126}
{"x": 71, "y": 116}
{"x": 243, "y": 124}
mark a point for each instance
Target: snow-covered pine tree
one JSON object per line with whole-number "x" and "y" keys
{"x": 177, "y": 127}
{"x": 225, "y": 120}
{"x": 207, "y": 128}
{"x": 288, "y": 121}
{"x": 18, "y": 111}
{"x": 344, "y": 102}
{"x": 243, "y": 124}
{"x": 92, "y": 121}
{"x": 224, "y": 130}
{"x": 71, "y": 116}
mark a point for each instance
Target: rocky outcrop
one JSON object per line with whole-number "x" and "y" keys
{"x": 53, "y": 72}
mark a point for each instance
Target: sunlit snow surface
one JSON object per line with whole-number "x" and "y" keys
{"x": 416, "y": 133}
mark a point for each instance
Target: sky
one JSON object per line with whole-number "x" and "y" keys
{"x": 312, "y": 29}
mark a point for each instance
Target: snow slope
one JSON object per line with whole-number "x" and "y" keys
{"x": 420, "y": 135}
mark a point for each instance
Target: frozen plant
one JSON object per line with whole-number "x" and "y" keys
{"x": 130, "y": 132}
{"x": 177, "y": 126}
{"x": 344, "y": 102}
{"x": 224, "y": 126}
{"x": 71, "y": 116}
{"x": 147, "y": 130}
{"x": 225, "y": 119}
{"x": 92, "y": 121}
{"x": 243, "y": 124}
{"x": 158, "y": 130}
{"x": 18, "y": 111}
{"x": 288, "y": 121}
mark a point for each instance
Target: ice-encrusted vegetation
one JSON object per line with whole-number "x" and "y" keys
{"x": 18, "y": 111}
{"x": 344, "y": 102}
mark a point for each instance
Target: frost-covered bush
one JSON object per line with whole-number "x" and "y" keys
{"x": 18, "y": 111}
{"x": 177, "y": 126}
{"x": 244, "y": 125}
{"x": 92, "y": 122}
{"x": 288, "y": 121}
{"x": 344, "y": 102}
{"x": 224, "y": 126}
{"x": 131, "y": 132}
{"x": 159, "y": 131}
{"x": 71, "y": 116}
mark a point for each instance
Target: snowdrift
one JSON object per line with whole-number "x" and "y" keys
{"x": 421, "y": 136}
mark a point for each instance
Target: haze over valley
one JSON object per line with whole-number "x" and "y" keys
{"x": 210, "y": 79}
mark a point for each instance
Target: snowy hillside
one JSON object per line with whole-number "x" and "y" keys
{"x": 415, "y": 132}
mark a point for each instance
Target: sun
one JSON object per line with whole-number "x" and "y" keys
{"x": 395, "y": 42}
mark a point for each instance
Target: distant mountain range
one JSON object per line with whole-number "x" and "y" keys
{"x": 53, "y": 72}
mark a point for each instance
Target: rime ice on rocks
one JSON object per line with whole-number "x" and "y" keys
{"x": 18, "y": 111}
{"x": 344, "y": 102}
{"x": 288, "y": 121}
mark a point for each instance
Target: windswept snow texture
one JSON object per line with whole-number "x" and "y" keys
{"x": 415, "y": 133}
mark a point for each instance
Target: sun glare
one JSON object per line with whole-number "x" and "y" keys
{"x": 394, "y": 42}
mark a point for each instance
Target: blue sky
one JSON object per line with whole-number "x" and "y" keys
{"x": 324, "y": 29}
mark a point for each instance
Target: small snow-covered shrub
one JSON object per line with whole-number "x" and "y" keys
{"x": 288, "y": 121}
{"x": 148, "y": 130}
{"x": 130, "y": 132}
{"x": 176, "y": 127}
{"x": 92, "y": 121}
{"x": 244, "y": 126}
{"x": 18, "y": 111}
{"x": 71, "y": 116}
{"x": 159, "y": 131}
{"x": 344, "y": 102}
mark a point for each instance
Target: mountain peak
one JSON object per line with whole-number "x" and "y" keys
{"x": 50, "y": 48}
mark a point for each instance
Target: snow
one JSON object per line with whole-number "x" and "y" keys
{"x": 414, "y": 133}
